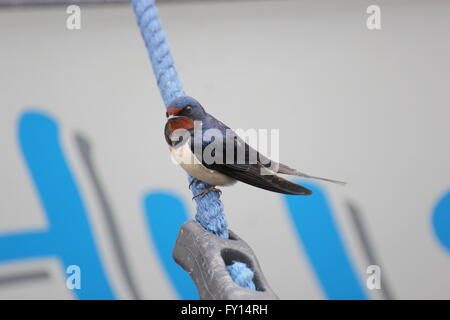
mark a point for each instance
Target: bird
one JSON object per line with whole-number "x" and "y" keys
{"x": 253, "y": 168}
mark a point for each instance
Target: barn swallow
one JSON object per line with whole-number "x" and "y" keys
{"x": 183, "y": 112}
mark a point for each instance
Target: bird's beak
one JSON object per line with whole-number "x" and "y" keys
{"x": 172, "y": 113}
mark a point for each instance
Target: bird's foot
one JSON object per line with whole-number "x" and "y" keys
{"x": 194, "y": 180}
{"x": 207, "y": 190}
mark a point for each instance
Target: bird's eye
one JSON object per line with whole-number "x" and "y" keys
{"x": 188, "y": 109}
{"x": 167, "y": 114}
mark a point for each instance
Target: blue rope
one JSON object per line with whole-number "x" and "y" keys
{"x": 158, "y": 49}
{"x": 242, "y": 275}
{"x": 209, "y": 207}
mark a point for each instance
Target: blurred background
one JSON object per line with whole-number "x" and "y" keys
{"x": 87, "y": 180}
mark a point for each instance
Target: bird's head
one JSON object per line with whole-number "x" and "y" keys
{"x": 182, "y": 112}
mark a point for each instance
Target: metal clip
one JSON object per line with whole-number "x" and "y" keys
{"x": 205, "y": 257}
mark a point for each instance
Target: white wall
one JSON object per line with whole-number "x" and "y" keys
{"x": 369, "y": 107}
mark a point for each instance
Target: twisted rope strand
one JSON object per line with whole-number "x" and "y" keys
{"x": 209, "y": 206}
{"x": 155, "y": 40}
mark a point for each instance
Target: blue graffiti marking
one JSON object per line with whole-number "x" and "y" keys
{"x": 165, "y": 214}
{"x": 317, "y": 231}
{"x": 441, "y": 220}
{"x": 69, "y": 236}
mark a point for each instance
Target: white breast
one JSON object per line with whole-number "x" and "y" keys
{"x": 189, "y": 162}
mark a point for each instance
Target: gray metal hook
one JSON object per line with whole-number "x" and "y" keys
{"x": 205, "y": 257}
